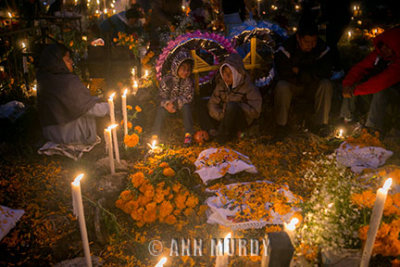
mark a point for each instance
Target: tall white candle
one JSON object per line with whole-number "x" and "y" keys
{"x": 135, "y": 87}
{"x": 222, "y": 261}
{"x": 290, "y": 229}
{"x": 112, "y": 118}
{"x": 78, "y": 211}
{"x": 259, "y": 7}
{"x": 124, "y": 112}
{"x": 107, "y": 134}
{"x": 375, "y": 221}
{"x": 161, "y": 262}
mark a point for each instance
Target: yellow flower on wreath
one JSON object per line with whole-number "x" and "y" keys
{"x": 131, "y": 140}
{"x": 138, "y": 109}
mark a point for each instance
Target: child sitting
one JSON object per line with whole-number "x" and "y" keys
{"x": 176, "y": 93}
{"x": 235, "y": 102}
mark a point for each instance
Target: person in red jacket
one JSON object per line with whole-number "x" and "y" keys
{"x": 377, "y": 74}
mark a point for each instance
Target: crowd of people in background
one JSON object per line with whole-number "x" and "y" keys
{"x": 306, "y": 69}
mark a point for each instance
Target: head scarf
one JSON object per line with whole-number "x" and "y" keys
{"x": 62, "y": 97}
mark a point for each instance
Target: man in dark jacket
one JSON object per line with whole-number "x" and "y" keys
{"x": 303, "y": 66}
{"x": 378, "y": 74}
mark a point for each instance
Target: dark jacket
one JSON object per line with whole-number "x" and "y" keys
{"x": 62, "y": 97}
{"x": 165, "y": 12}
{"x": 245, "y": 93}
{"x": 385, "y": 77}
{"x": 313, "y": 66}
{"x": 174, "y": 89}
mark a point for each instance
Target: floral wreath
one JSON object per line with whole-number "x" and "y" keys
{"x": 243, "y": 33}
{"x": 215, "y": 44}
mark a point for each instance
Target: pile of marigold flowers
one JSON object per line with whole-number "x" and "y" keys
{"x": 387, "y": 241}
{"x": 222, "y": 155}
{"x": 166, "y": 202}
{"x": 365, "y": 139}
{"x": 252, "y": 198}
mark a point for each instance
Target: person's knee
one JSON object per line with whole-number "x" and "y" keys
{"x": 282, "y": 89}
{"x": 326, "y": 86}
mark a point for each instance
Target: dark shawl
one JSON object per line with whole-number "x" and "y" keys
{"x": 62, "y": 97}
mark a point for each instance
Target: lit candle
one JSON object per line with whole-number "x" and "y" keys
{"x": 10, "y": 16}
{"x": 124, "y": 112}
{"x": 133, "y": 73}
{"x": 146, "y": 74}
{"x": 290, "y": 229}
{"x": 84, "y": 38}
{"x": 297, "y": 8}
{"x": 222, "y": 261}
{"x": 108, "y": 140}
{"x": 340, "y": 134}
{"x": 349, "y": 34}
{"x": 374, "y": 222}
{"x": 78, "y": 211}
{"x": 154, "y": 148}
{"x": 161, "y": 262}
{"x": 24, "y": 59}
{"x": 112, "y": 118}
{"x": 135, "y": 87}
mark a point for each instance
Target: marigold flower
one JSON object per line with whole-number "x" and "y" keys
{"x": 138, "y": 109}
{"x": 170, "y": 219}
{"x": 169, "y": 172}
{"x": 165, "y": 209}
{"x": 138, "y": 129}
{"x": 119, "y": 203}
{"x": 176, "y": 187}
{"x": 128, "y": 107}
{"x": 163, "y": 164}
{"x": 137, "y": 179}
{"x": 192, "y": 201}
{"x": 180, "y": 200}
{"x": 131, "y": 140}
{"x": 188, "y": 212}
{"x": 126, "y": 195}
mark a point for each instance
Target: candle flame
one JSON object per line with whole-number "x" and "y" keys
{"x": 349, "y": 33}
{"x": 111, "y": 96}
{"x": 146, "y": 73}
{"x": 105, "y": 11}
{"x": 78, "y": 179}
{"x": 387, "y": 184}
{"x": 84, "y": 38}
{"x": 183, "y": 7}
{"x": 10, "y": 14}
{"x": 125, "y": 92}
{"x": 34, "y": 88}
{"x": 292, "y": 225}
{"x": 161, "y": 262}
{"x": 135, "y": 84}
{"x": 133, "y": 71}
{"x": 109, "y": 128}
{"x": 23, "y": 45}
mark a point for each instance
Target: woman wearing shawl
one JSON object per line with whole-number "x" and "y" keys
{"x": 235, "y": 102}
{"x": 67, "y": 111}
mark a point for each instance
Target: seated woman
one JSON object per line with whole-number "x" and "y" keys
{"x": 236, "y": 101}
{"x": 67, "y": 111}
